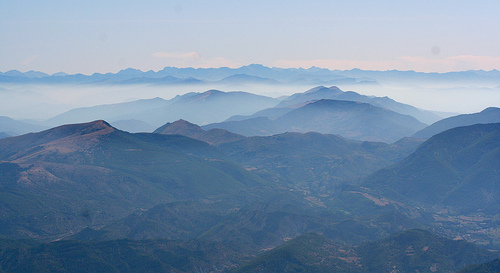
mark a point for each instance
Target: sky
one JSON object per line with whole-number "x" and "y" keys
{"x": 107, "y": 36}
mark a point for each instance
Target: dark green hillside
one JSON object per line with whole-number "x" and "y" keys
{"x": 407, "y": 251}
{"x": 270, "y": 222}
{"x": 419, "y": 250}
{"x": 264, "y": 226}
{"x": 458, "y": 167}
{"x": 308, "y": 161}
{"x": 489, "y": 267}
{"x": 257, "y": 225}
{"x": 307, "y": 253}
{"x": 64, "y": 179}
{"x": 314, "y": 161}
{"x": 115, "y": 256}
{"x": 173, "y": 221}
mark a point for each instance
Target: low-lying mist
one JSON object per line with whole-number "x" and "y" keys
{"x": 43, "y": 101}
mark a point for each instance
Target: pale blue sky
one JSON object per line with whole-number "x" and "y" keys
{"x": 107, "y": 36}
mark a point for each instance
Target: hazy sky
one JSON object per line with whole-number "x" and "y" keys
{"x": 107, "y": 36}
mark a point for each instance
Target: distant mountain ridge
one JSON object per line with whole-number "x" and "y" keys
{"x": 110, "y": 112}
{"x": 360, "y": 121}
{"x": 335, "y": 93}
{"x": 313, "y": 75}
{"x": 488, "y": 115}
{"x": 13, "y": 127}
{"x": 206, "y": 107}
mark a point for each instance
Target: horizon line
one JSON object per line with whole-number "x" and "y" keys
{"x": 253, "y": 64}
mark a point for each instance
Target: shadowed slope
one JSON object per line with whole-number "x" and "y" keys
{"x": 458, "y": 167}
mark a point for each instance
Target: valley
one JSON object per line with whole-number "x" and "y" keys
{"x": 322, "y": 180}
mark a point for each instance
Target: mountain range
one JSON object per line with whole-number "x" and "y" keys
{"x": 334, "y": 93}
{"x": 319, "y": 181}
{"x": 349, "y": 114}
{"x": 207, "y": 107}
{"x": 313, "y": 75}
{"x": 244, "y": 196}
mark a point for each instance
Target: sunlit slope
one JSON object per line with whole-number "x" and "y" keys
{"x": 63, "y": 179}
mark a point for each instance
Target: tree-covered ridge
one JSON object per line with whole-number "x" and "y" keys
{"x": 407, "y": 251}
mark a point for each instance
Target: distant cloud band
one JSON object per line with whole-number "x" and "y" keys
{"x": 453, "y": 63}
{"x": 178, "y": 55}
{"x": 195, "y": 60}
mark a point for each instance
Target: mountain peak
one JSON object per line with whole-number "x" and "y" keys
{"x": 179, "y": 127}
{"x": 87, "y": 130}
{"x": 130, "y": 71}
{"x": 64, "y": 139}
{"x": 185, "y": 128}
{"x": 316, "y": 93}
{"x": 100, "y": 124}
{"x": 321, "y": 88}
{"x": 491, "y": 110}
{"x": 212, "y": 92}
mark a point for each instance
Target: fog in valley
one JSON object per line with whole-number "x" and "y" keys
{"x": 39, "y": 102}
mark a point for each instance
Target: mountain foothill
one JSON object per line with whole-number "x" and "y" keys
{"x": 319, "y": 181}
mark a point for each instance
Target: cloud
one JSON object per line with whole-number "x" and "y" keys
{"x": 337, "y": 64}
{"x": 195, "y": 60}
{"x": 178, "y": 55}
{"x": 417, "y": 63}
{"x": 453, "y": 63}
{"x": 29, "y": 60}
